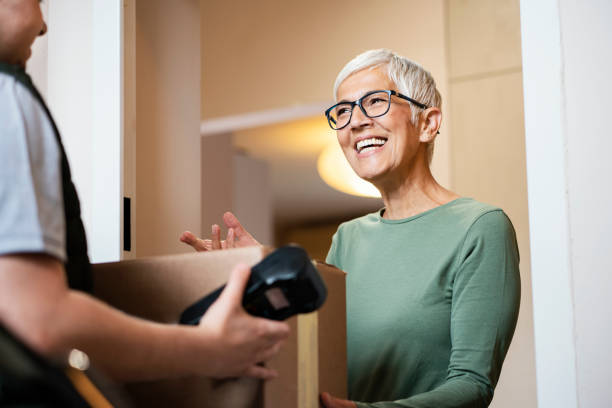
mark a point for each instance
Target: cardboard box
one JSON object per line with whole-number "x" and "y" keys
{"x": 159, "y": 288}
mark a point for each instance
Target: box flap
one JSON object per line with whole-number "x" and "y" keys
{"x": 160, "y": 288}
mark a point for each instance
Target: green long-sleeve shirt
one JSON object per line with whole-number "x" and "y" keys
{"x": 432, "y": 303}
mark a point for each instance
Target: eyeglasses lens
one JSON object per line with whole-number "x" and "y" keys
{"x": 375, "y": 104}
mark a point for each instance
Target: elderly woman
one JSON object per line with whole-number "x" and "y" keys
{"x": 433, "y": 285}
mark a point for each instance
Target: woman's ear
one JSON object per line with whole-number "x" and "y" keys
{"x": 431, "y": 119}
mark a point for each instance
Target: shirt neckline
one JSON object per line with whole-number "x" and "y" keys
{"x": 424, "y": 213}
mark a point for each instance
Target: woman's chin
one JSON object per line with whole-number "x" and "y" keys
{"x": 370, "y": 176}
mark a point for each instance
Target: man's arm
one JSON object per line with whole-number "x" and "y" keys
{"x": 37, "y": 305}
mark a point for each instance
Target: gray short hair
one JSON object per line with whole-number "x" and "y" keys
{"x": 410, "y": 78}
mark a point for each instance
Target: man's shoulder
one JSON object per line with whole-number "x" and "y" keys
{"x": 9, "y": 82}
{"x": 15, "y": 95}
{"x": 23, "y": 117}
{"x": 31, "y": 193}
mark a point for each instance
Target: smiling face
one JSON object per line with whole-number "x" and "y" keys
{"x": 21, "y": 22}
{"x": 382, "y": 149}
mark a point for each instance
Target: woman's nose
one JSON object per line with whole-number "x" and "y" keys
{"x": 359, "y": 118}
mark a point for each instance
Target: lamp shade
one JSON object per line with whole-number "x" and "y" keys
{"x": 335, "y": 170}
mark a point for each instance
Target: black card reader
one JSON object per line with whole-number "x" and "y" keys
{"x": 283, "y": 284}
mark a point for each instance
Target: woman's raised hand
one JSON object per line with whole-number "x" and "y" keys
{"x": 237, "y": 236}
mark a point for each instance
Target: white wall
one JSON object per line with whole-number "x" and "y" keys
{"x": 567, "y": 58}
{"x": 70, "y": 93}
{"x": 107, "y": 131}
{"x": 587, "y": 52}
{"x": 77, "y": 66}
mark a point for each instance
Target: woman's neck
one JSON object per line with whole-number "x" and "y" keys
{"x": 414, "y": 193}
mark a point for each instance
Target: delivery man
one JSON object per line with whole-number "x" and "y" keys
{"x": 44, "y": 268}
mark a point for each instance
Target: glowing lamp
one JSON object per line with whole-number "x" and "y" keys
{"x": 335, "y": 170}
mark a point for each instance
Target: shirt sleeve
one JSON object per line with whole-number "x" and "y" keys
{"x": 485, "y": 304}
{"x": 31, "y": 195}
{"x": 331, "y": 254}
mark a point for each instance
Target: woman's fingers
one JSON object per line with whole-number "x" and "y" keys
{"x": 241, "y": 236}
{"x": 196, "y": 243}
{"x": 230, "y": 239}
{"x": 231, "y": 221}
{"x": 237, "y": 236}
{"x": 216, "y": 237}
{"x": 214, "y": 243}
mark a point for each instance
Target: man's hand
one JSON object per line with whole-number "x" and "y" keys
{"x": 37, "y": 306}
{"x": 332, "y": 402}
{"x": 237, "y": 236}
{"x": 239, "y": 340}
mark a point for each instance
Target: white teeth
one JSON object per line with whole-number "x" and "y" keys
{"x": 367, "y": 149}
{"x": 372, "y": 142}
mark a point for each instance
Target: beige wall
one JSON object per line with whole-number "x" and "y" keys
{"x": 316, "y": 239}
{"x": 252, "y": 196}
{"x": 488, "y": 154}
{"x": 168, "y": 118}
{"x": 217, "y": 180}
{"x": 234, "y": 181}
{"x": 270, "y": 54}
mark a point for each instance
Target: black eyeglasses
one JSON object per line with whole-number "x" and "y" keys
{"x": 373, "y": 104}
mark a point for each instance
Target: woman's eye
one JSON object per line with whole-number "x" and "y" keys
{"x": 343, "y": 111}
